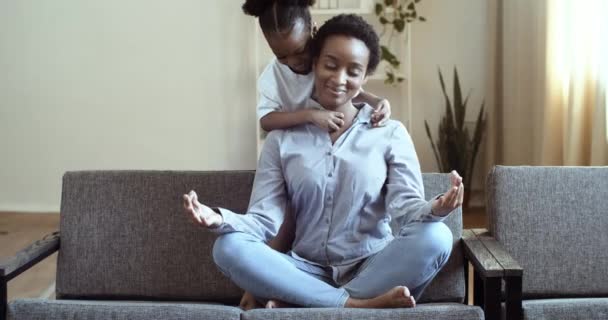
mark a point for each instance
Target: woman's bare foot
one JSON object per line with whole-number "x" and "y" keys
{"x": 273, "y": 304}
{"x": 248, "y": 302}
{"x": 397, "y": 297}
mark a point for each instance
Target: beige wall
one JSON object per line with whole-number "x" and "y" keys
{"x": 457, "y": 34}
{"x": 171, "y": 85}
{"x": 138, "y": 84}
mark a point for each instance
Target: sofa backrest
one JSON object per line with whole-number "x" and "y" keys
{"x": 124, "y": 236}
{"x": 449, "y": 284}
{"x": 554, "y": 222}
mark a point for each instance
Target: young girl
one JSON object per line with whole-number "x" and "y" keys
{"x": 286, "y": 84}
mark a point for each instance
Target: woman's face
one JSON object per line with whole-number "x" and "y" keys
{"x": 291, "y": 47}
{"x": 340, "y": 70}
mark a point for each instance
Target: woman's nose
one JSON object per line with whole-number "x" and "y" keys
{"x": 339, "y": 77}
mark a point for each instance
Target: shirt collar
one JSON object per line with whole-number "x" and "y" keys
{"x": 365, "y": 113}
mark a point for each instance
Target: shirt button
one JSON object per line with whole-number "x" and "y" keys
{"x": 328, "y": 153}
{"x": 322, "y": 244}
{"x": 327, "y": 220}
{"x": 329, "y": 175}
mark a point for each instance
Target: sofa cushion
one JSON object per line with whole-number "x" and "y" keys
{"x": 37, "y": 309}
{"x": 443, "y": 311}
{"x": 124, "y": 236}
{"x": 553, "y": 220}
{"x": 566, "y": 309}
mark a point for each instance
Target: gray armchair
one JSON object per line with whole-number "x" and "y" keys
{"x": 127, "y": 251}
{"x": 552, "y": 223}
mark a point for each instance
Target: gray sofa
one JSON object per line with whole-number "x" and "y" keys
{"x": 127, "y": 251}
{"x": 552, "y": 224}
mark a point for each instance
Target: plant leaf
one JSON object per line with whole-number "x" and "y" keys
{"x": 448, "y": 105}
{"x": 389, "y": 57}
{"x": 399, "y": 24}
{"x": 379, "y": 8}
{"x": 459, "y": 108}
{"x": 428, "y": 133}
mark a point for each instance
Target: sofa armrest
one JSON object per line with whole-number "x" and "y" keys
{"x": 482, "y": 259}
{"x": 513, "y": 273}
{"x": 487, "y": 275}
{"x": 28, "y": 257}
{"x": 22, "y": 261}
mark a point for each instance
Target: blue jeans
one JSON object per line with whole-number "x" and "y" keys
{"x": 412, "y": 259}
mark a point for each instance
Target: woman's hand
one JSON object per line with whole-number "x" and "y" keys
{"x": 327, "y": 120}
{"x": 452, "y": 199}
{"x": 201, "y": 214}
{"x": 382, "y": 113}
{"x": 248, "y": 302}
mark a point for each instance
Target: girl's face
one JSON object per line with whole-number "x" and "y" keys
{"x": 291, "y": 47}
{"x": 340, "y": 70}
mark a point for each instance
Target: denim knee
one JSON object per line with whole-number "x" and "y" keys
{"x": 435, "y": 238}
{"x": 440, "y": 239}
{"x": 226, "y": 250}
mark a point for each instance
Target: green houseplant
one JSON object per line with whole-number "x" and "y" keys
{"x": 456, "y": 148}
{"x": 394, "y": 16}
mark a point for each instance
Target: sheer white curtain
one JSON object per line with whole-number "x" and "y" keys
{"x": 577, "y": 80}
{"x": 551, "y": 76}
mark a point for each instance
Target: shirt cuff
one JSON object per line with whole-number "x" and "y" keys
{"x": 230, "y": 219}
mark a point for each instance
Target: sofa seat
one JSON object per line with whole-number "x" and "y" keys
{"x": 435, "y": 311}
{"x": 571, "y": 309}
{"x": 38, "y": 309}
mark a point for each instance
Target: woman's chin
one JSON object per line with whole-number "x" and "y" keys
{"x": 331, "y": 104}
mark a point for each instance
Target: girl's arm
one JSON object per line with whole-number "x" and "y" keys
{"x": 327, "y": 120}
{"x": 381, "y": 106}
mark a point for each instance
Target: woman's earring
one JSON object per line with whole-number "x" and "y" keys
{"x": 313, "y": 30}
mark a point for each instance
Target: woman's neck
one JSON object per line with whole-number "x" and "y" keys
{"x": 350, "y": 112}
{"x": 348, "y": 109}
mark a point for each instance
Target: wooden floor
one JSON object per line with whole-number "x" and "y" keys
{"x": 18, "y": 230}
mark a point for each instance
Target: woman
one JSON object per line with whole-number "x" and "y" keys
{"x": 344, "y": 188}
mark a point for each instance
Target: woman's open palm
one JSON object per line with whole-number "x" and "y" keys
{"x": 452, "y": 199}
{"x": 201, "y": 214}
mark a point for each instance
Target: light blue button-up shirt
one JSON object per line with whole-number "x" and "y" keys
{"x": 343, "y": 195}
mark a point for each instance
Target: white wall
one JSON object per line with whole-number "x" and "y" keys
{"x": 138, "y": 84}
{"x": 171, "y": 85}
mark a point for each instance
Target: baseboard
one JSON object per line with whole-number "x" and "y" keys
{"x": 29, "y": 208}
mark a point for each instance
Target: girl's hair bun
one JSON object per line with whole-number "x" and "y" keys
{"x": 301, "y": 3}
{"x": 257, "y": 7}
